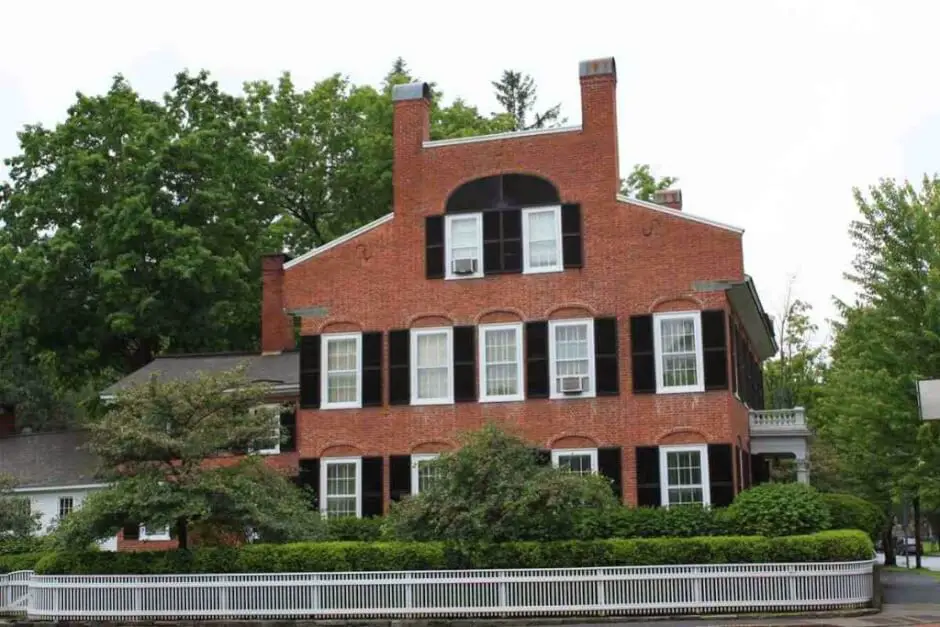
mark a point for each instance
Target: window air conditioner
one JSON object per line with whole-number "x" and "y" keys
{"x": 464, "y": 266}
{"x": 573, "y": 384}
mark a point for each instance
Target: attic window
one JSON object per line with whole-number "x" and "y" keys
{"x": 503, "y": 191}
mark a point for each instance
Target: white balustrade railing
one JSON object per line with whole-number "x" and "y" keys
{"x": 782, "y": 419}
{"x": 636, "y": 590}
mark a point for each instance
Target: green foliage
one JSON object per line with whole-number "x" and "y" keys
{"x": 494, "y": 489}
{"x": 155, "y": 440}
{"x": 389, "y": 556}
{"x": 779, "y": 509}
{"x": 792, "y": 379}
{"x": 847, "y": 511}
{"x": 16, "y": 545}
{"x": 20, "y": 561}
{"x": 642, "y": 184}
{"x": 652, "y": 522}
{"x": 16, "y": 520}
{"x": 348, "y": 528}
{"x": 517, "y": 93}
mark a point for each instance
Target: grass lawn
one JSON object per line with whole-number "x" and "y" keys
{"x": 933, "y": 574}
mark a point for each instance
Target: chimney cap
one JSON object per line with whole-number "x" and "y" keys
{"x": 598, "y": 67}
{"x": 411, "y": 91}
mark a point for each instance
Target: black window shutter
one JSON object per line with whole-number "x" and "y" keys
{"x": 492, "y": 243}
{"x": 310, "y": 372}
{"x": 748, "y": 479}
{"x": 608, "y": 465}
{"x": 536, "y": 358}
{"x": 399, "y": 474}
{"x": 643, "y": 357}
{"x": 734, "y": 359}
{"x": 543, "y": 457}
{"x": 434, "y": 247}
{"x": 715, "y": 349}
{"x": 721, "y": 471}
{"x": 371, "y": 486}
{"x": 289, "y": 429}
{"x": 131, "y": 531}
{"x": 511, "y": 240}
{"x": 647, "y": 477}
{"x": 399, "y": 370}
{"x": 739, "y": 460}
{"x": 571, "y": 247}
{"x": 372, "y": 369}
{"x": 308, "y": 478}
{"x": 605, "y": 357}
{"x": 465, "y": 385}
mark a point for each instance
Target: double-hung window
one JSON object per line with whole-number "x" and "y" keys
{"x": 571, "y": 354}
{"x": 501, "y": 362}
{"x": 678, "y": 345}
{"x": 684, "y": 475}
{"x": 464, "y": 246}
{"x": 273, "y": 412}
{"x": 341, "y": 487}
{"x": 423, "y": 472}
{"x": 66, "y": 505}
{"x": 341, "y": 365}
{"x": 582, "y": 461}
{"x": 154, "y": 533}
{"x": 541, "y": 236}
{"x": 432, "y": 370}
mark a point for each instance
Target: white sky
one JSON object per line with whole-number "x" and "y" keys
{"x": 768, "y": 112}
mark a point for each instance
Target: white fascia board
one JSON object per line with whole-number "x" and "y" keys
{"x": 676, "y": 213}
{"x": 339, "y": 240}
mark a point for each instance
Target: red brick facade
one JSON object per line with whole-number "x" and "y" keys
{"x": 636, "y": 260}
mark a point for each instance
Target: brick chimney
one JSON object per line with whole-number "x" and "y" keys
{"x": 411, "y": 128}
{"x": 671, "y": 198}
{"x": 599, "y": 117}
{"x": 277, "y": 328}
{"x": 7, "y": 420}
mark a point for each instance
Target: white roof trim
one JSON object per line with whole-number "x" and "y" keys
{"x": 498, "y": 136}
{"x": 61, "y": 488}
{"x": 679, "y": 214}
{"x": 339, "y": 240}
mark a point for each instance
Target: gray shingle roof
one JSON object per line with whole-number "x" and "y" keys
{"x": 281, "y": 369}
{"x": 44, "y": 460}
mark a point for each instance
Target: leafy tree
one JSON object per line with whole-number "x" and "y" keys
{"x": 160, "y": 444}
{"x": 15, "y": 518}
{"x": 517, "y": 93}
{"x": 886, "y": 341}
{"x": 494, "y": 489}
{"x": 642, "y": 184}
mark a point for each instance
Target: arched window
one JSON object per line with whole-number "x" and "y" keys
{"x": 502, "y": 191}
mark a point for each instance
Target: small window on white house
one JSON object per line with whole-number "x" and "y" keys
{"x": 541, "y": 236}
{"x": 684, "y": 475}
{"x": 678, "y": 345}
{"x": 274, "y": 446}
{"x": 423, "y": 472}
{"x": 432, "y": 371}
{"x": 341, "y": 487}
{"x": 464, "y": 246}
{"x": 571, "y": 353}
{"x": 341, "y": 364}
{"x": 582, "y": 461}
{"x": 66, "y": 505}
{"x": 154, "y": 534}
{"x": 501, "y": 362}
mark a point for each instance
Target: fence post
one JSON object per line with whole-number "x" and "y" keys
{"x": 791, "y": 577}
{"x": 697, "y": 585}
{"x": 55, "y": 598}
{"x": 223, "y": 595}
{"x": 316, "y": 593}
{"x": 501, "y": 587}
{"x": 601, "y": 588}
{"x": 138, "y": 596}
{"x": 409, "y": 593}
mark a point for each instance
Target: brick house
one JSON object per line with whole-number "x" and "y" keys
{"x": 512, "y": 283}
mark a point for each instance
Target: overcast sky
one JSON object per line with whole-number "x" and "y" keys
{"x": 768, "y": 112}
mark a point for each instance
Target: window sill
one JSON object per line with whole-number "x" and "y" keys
{"x": 462, "y": 277}
{"x": 341, "y": 406}
{"x": 270, "y": 451}
{"x": 571, "y": 397}
{"x": 681, "y": 390}
{"x": 542, "y": 270}
{"x": 433, "y": 401}
{"x": 502, "y": 399}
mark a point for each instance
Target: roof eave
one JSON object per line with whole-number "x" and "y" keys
{"x": 676, "y": 213}
{"x": 742, "y": 294}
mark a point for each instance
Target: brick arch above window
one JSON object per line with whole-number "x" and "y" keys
{"x": 499, "y": 316}
{"x": 676, "y": 303}
{"x": 341, "y": 450}
{"x": 430, "y": 320}
{"x": 433, "y": 446}
{"x": 682, "y": 435}
{"x": 570, "y": 311}
{"x": 340, "y": 326}
{"x": 573, "y": 442}
{"x": 502, "y": 191}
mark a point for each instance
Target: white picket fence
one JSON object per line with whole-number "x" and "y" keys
{"x": 633, "y": 590}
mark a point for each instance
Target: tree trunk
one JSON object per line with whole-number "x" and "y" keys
{"x": 182, "y": 533}
{"x": 918, "y": 547}
{"x": 887, "y": 539}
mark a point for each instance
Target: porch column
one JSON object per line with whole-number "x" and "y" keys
{"x": 802, "y": 470}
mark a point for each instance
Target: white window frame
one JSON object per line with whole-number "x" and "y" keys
{"x": 661, "y": 388}
{"x": 481, "y": 341}
{"x": 558, "y": 453}
{"x": 415, "y": 462}
{"x": 448, "y": 248}
{"x": 277, "y": 408}
{"x": 161, "y": 533}
{"x": 702, "y": 450}
{"x": 552, "y": 376}
{"x": 71, "y": 508}
{"x": 526, "y": 265}
{"x": 325, "y": 339}
{"x": 413, "y": 365}
{"x": 325, "y": 462}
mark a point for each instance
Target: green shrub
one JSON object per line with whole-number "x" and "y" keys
{"x": 19, "y": 561}
{"x": 386, "y": 556}
{"x": 357, "y": 529}
{"x": 779, "y": 509}
{"x": 847, "y": 511}
{"x": 652, "y": 522}
{"x": 28, "y": 544}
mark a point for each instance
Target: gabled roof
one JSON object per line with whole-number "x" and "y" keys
{"x": 746, "y": 303}
{"x": 281, "y": 370}
{"x": 342, "y": 239}
{"x": 676, "y": 213}
{"x": 48, "y": 460}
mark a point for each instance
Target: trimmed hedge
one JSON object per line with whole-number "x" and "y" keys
{"x": 654, "y": 522}
{"x": 847, "y": 511}
{"x": 385, "y": 556}
{"x": 21, "y": 561}
{"x": 779, "y": 509}
{"x": 349, "y": 528}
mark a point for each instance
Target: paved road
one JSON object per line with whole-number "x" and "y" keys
{"x": 904, "y": 588}
{"x": 930, "y": 563}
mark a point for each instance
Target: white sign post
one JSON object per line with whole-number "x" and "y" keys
{"x": 928, "y": 399}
